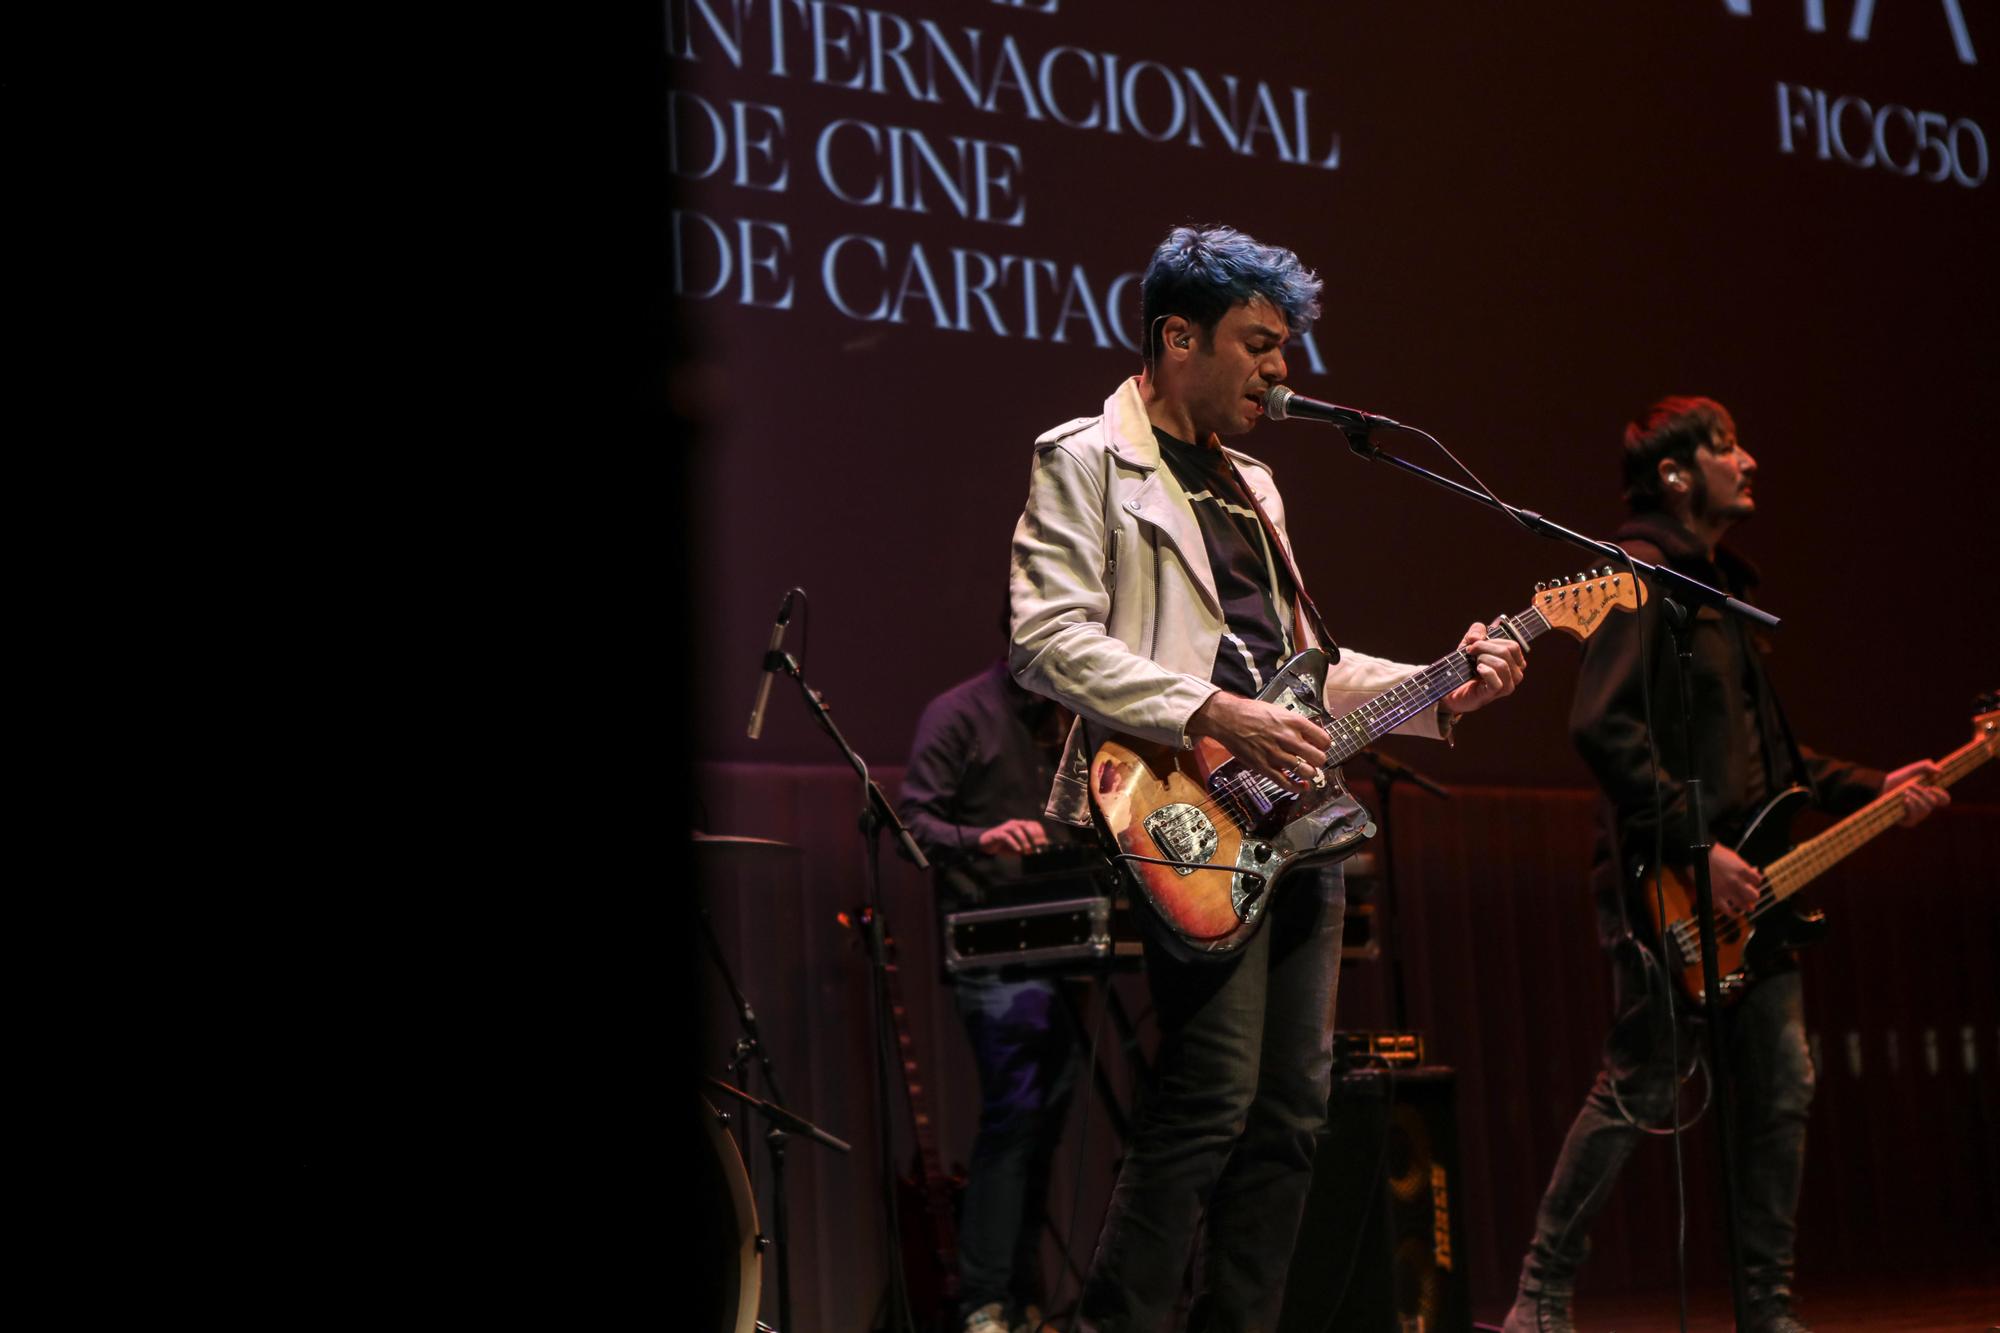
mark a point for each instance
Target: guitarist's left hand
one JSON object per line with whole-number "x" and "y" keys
{"x": 1497, "y": 664}
{"x": 1920, "y": 800}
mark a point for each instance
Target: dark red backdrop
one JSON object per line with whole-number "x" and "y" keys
{"x": 1544, "y": 216}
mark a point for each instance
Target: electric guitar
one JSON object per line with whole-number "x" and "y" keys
{"x": 927, "y": 1197}
{"x": 1207, "y": 838}
{"x": 1742, "y": 949}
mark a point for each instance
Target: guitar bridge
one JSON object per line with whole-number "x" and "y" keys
{"x": 1183, "y": 834}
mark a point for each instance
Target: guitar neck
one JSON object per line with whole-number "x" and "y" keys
{"x": 1356, "y": 731}
{"x": 1815, "y": 856}
{"x": 913, "y": 1085}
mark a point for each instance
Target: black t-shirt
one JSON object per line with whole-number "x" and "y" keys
{"x": 1256, "y": 635}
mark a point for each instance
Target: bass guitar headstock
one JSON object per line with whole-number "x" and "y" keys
{"x": 1986, "y": 718}
{"x": 1577, "y": 605}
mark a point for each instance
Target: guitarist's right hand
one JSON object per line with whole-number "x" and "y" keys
{"x": 1733, "y": 880}
{"x": 1284, "y": 746}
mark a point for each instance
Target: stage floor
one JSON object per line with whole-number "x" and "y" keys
{"x": 1888, "y": 1303}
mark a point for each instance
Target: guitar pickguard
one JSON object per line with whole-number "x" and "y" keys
{"x": 1248, "y": 892}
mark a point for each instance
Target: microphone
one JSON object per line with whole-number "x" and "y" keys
{"x": 1281, "y": 404}
{"x": 764, "y": 685}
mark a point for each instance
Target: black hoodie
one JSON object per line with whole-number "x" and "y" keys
{"x": 1736, "y": 715}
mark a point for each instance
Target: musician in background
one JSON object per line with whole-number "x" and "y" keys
{"x": 1688, "y": 481}
{"x": 1154, "y": 594}
{"x": 979, "y": 771}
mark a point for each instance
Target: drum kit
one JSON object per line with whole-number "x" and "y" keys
{"x": 730, "y": 1253}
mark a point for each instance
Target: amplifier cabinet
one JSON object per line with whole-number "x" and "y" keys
{"x": 1380, "y": 1248}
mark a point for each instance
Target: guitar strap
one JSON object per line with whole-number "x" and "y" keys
{"x": 1311, "y": 611}
{"x": 1798, "y": 756}
{"x": 1800, "y": 772}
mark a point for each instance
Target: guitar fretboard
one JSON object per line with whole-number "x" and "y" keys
{"x": 1815, "y": 856}
{"x": 1356, "y": 731}
{"x": 913, "y": 1086}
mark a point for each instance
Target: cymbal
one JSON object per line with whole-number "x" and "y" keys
{"x": 726, "y": 841}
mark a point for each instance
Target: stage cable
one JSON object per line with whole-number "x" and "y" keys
{"x": 1068, "y": 1237}
{"x": 1374, "y": 1186}
{"x": 1656, "y": 967}
{"x": 1651, "y": 965}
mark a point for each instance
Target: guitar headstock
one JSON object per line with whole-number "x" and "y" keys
{"x": 1577, "y": 605}
{"x": 1986, "y": 721}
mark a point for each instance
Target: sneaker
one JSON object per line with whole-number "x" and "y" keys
{"x": 986, "y": 1319}
{"x": 1544, "y": 1311}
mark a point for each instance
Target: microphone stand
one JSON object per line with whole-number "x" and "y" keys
{"x": 876, "y": 814}
{"x": 1681, "y": 596}
{"x": 1671, "y": 582}
{"x": 1388, "y": 772}
{"x": 785, "y": 1126}
{"x": 750, "y": 1044}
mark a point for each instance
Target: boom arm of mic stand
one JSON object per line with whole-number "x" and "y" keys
{"x": 1671, "y": 582}
{"x": 1681, "y": 593}
{"x": 884, "y": 812}
{"x": 1394, "y": 770}
{"x": 790, "y": 1121}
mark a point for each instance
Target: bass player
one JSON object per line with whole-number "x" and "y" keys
{"x": 1688, "y": 481}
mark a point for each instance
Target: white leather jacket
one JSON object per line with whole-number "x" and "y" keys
{"x": 1115, "y": 613}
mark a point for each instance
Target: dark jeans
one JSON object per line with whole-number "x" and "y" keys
{"x": 1024, "y": 1045}
{"x": 1765, "y": 1040}
{"x": 1241, "y": 1082}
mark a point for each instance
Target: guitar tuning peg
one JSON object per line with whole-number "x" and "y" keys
{"x": 1540, "y": 586}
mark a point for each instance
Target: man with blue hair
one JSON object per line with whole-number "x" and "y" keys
{"x": 1155, "y": 595}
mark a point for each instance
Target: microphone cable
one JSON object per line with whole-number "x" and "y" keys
{"x": 1653, "y": 967}
{"x": 1484, "y": 489}
{"x": 1068, "y": 1238}
{"x": 1374, "y": 1186}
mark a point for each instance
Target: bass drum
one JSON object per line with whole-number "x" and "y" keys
{"x": 728, "y": 1265}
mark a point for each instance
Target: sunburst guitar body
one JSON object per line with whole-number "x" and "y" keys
{"x": 1207, "y": 838}
{"x": 1746, "y": 942}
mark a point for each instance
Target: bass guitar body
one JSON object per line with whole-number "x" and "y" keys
{"x": 1745, "y": 943}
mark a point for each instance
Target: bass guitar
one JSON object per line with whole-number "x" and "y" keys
{"x": 927, "y": 1197}
{"x": 1206, "y": 837}
{"x": 1746, "y": 941}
